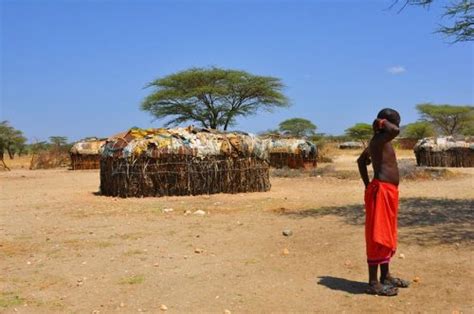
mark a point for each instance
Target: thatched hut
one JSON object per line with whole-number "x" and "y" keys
{"x": 292, "y": 153}
{"x": 183, "y": 161}
{"x": 85, "y": 154}
{"x": 444, "y": 152}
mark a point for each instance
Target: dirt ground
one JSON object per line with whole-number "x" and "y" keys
{"x": 63, "y": 248}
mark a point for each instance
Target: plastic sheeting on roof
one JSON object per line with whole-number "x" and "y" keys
{"x": 184, "y": 141}
{"x": 89, "y": 146}
{"x": 292, "y": 146}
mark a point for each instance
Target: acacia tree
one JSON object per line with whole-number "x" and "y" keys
{"x": 11, "y": 140}
{"x": 58, "y": 141}
{"x": 297, "y": 127}
{"x": 461, "y": 11}
{"x": 418, "y": 130}
{"x": 212, "y": 97}
{"x": 468, "y": 130}
{"x": 360, "y": 132}
{"x": 450, "y": 120}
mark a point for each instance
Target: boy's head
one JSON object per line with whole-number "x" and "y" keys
{"x": 391, "y": 115}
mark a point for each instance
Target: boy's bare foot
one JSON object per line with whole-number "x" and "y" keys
{"x": 386, "y": 290}
{"x": 397, "y": 282}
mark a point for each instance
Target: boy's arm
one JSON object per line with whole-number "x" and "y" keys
{"x": 362, "y": 162}
{"x": 385, "y": 130}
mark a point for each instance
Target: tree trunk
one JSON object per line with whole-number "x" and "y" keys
{"x": 11, "y": 153}
{"x": 3, "y": 161}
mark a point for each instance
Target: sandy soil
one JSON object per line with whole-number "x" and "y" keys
{"x": 65, "y": 249}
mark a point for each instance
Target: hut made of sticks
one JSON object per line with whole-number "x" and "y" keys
{"x": 85, "y": 154}
{"x": 183, "y": 161}
{"x": 444, "y": 152}
{"x": 292, "y": 153}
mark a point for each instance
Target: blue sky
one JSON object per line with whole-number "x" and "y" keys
{"x": 78, "y": 68}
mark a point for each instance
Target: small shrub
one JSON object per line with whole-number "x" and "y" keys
{"x": 8, "y": 299}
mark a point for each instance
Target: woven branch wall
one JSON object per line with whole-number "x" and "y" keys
{"x": 292, "y": 161}
{"x": 83, "y": 162}
{"x": 453, "y": 157}
{"x": 173, "y": 174}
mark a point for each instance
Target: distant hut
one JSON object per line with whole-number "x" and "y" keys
{"x": 444, "y": 152}
{"x": 351, "y": 145}
{"x": 85, "y": 154}
{"x": 292, "y": 153}
{"x": 183, "y": 161}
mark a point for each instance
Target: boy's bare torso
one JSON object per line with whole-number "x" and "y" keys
{"x": 381, "y": 154}
{"x": 384, "y": 160}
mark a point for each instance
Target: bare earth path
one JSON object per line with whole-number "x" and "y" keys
{"x": 65, "y": 249}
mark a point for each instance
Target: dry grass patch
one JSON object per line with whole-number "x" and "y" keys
{"x": 22, "y": 162}
{"x": 410, "y": 171}
{"x": 326, "y": 171}
{"x": 132, "y": 280}
{"x": 9, "y": 299}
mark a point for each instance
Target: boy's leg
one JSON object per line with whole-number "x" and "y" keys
{"x": 384, "y": 272}
{"x": 373, "y": 274}
{"x": 379, "y": 288}
{"x": 386, "y": 278}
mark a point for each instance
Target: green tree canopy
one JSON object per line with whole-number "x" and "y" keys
{"x": 297, "y": 127}
{"x": 58, "y": 141}
{"x": 468, "y": 130}
{"x": 460, "y": 11}
{"x": 418, "y": 130}
{"x": 360, "y": 132}
{"x": 212, "y": 97}
{"x": 11, "y": 140}
{"x": 450, "y": 120}
{"x": 270, "y": 132}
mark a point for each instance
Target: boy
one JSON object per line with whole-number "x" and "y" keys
{"x": 381, "y": 203}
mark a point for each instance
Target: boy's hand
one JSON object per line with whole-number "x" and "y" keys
{"x": 378, "y": 124}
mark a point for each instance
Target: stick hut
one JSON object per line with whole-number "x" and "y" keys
{"x": 444, "y": 152}
{"x": 292, "y": 153}
{"x": 85, "y": 154}
{"x": 183, "y": 161}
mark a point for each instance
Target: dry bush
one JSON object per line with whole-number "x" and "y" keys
{"x": 407, "y": 167}
{"x": 286, "y": 172}
{"x": 326, "y": 171}
{"x": 327, "y": 151}
{"x": 410, "y": 171}
{"x": 331, "y": 171}
{"x": 50, "y": 159}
